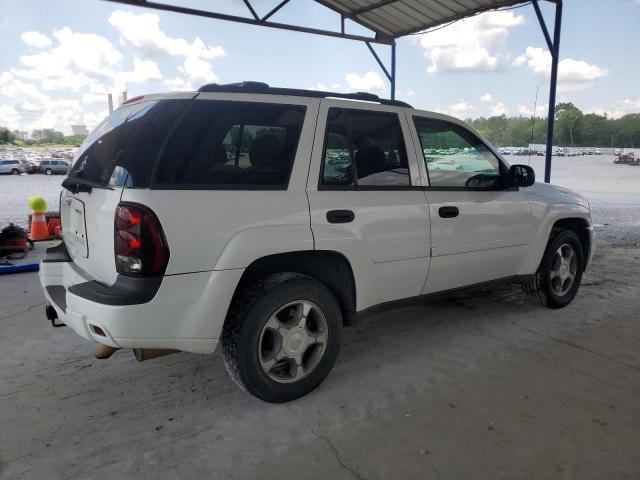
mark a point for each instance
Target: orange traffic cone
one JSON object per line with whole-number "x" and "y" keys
{"x": 39, "y": 229}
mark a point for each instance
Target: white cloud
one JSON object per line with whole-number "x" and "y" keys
{"x": 620, "y": 108}
{"x": 143, "y": 71}
{"x": 9, "y": 117}
{"x": 461, "y": 110}
{"x": 87, "y": 66}
{"x": 573, "y": 75}
{"x": 498, "y": 109}
{"x": 142, "y": 33}
{"x": 36, "y": 39}
{"x": 370, "y": 81}
{"x": 486, "y": 97}
{"x": 85, "y": 53}
{"x": 541, "y": 110}
{"x": 25, "y": 97}
{"x": 472, "y": 44}
{"x": 30, "y": 108}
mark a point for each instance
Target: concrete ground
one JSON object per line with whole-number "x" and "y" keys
{"x": 484, "y": 387}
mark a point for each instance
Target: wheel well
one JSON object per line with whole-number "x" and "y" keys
{"x": 579, "y": 227}
{"x": 330, "y": 268}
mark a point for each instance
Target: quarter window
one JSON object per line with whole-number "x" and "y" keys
{"x": 364, "y": 148}
{"x": 455, "y": 157}
{"x": 222, "y": 144}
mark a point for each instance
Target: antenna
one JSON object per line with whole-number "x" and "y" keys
{"x": 533, "y": 121}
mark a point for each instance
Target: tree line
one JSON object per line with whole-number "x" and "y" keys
{"x": 40, "y": 136}
{"x": 572, "y": 129}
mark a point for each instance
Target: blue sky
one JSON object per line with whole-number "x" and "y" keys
{"x": 60, "y": 57}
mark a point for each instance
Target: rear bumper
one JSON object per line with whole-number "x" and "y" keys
{"x": 183, "y": 312}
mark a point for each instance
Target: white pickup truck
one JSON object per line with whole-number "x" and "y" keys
{"x": 265, "y": 219}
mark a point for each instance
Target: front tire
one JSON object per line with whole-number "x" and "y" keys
{"x": 15, "y": 171}
{"x": 560, "y": 272}
{"x": 48, "y": 171}
{"x": 282, "y": 337}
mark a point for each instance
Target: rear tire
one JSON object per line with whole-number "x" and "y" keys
{"x": 282, "y": 337}
{"x": 561, "y": 269}
{"x": 15, "y": 171}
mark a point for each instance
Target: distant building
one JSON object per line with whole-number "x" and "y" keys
{"x": 79, "y": 130}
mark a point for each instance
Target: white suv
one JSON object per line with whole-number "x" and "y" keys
{"x": 265, "y": 219}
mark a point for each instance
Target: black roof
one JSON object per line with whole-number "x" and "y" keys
{"x": 260, "y": 87}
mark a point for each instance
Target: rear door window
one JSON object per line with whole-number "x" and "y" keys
{"x": 123, "y": 148}
{"x": 364, "y": 148}
{"x": 232, "y": 145}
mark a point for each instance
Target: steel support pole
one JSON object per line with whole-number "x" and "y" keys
{"x": 393, "y": 71}
{"x": 552, "y": 91}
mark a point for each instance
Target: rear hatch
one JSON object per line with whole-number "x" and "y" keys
{"x": 119, "y": 153}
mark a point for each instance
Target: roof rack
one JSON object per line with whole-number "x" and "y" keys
{"x": 260, "y": 87}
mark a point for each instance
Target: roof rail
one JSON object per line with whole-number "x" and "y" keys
{"x": 260, "y": 87}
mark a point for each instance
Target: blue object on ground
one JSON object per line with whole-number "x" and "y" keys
{"x": 25, "y": 267}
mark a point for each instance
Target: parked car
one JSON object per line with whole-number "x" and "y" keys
{"x": 10, "y": 167}
{"x": 173, "y": 244}
{"x": 54, "y": 167}
{"x": 29, "y": 166}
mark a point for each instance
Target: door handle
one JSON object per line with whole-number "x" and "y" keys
{"x": 448, "y": 212}
{"x": 340, "y": 216}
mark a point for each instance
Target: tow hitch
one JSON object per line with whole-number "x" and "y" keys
{"x": 52, "y": 316}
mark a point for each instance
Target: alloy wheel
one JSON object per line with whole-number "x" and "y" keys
{"x": 293, "y": 341}
{"x": 564, "y": 266}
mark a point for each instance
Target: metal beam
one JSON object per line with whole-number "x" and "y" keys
{"x": 393, "y": 71}
{"x": 543, "y": 26}
{"x": 379, "y": 38}
{"x": 375, "y": 55}
{"x": 552, "y": 91}
{"x": 253, "y": 12}
{"x": 382, "y": 37}
{"x": 275, "y": 9}
{"x": 390, "y": 76}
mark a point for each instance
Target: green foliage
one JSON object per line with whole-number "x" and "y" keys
{"x": 572, "y": 128}
{"x": 75, "y": 140}
{"x": 6, "y": 136}
{"x": 43, "y": 136}
{"x": 47, "y": 135}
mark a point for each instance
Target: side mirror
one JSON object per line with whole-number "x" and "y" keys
{"x": 522, "y": 176}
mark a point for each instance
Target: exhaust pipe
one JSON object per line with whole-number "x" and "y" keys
{"x": 143, "y": 354}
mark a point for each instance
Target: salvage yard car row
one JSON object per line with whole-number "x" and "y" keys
{"x": 46, "y": 167}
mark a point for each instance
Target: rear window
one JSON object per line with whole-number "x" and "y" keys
{"x": 231, "y": 145}
{"x": 364, "y": 149}
{"x": 122, "y": 149}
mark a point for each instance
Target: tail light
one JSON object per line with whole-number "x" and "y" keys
{"x": 139, "y": 242}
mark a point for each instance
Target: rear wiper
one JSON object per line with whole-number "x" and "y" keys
{"x": 75, "y": 185}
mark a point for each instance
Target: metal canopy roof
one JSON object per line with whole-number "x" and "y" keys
{"x": 396, "y": 18}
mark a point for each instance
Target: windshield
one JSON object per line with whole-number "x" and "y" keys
{"x": 122, "y": 149}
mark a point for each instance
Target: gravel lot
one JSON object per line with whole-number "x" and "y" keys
{"x": 485, "y": 387}
{"x": 613, "y": 190}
